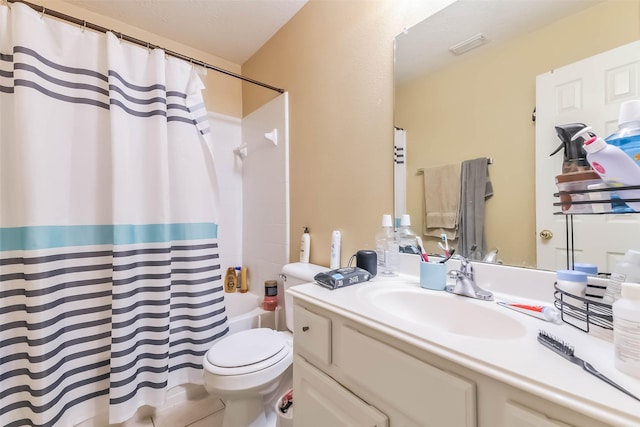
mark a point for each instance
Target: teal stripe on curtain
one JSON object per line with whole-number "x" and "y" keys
{"x": 55, "y": 236}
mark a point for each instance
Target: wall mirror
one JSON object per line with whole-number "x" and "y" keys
{"x": 480, "y": 104}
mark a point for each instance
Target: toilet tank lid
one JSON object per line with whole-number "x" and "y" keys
{"x": 303, "y": 270}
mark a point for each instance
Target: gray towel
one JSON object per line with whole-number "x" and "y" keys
{"x": 475, "y": 189}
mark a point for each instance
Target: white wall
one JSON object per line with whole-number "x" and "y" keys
{"x": 266, "y": 194}
{"x": 225, "y": 137}
{"x": 254, "y": 192}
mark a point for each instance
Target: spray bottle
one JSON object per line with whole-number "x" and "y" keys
{"x": 613, "y": 165}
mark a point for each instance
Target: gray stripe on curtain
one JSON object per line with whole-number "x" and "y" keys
{"x": 130, "y": 93}
{"x": 97, "y": 346}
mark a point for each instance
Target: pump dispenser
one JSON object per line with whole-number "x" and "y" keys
{"x": 613, "y": 166}
{"x": 305, "y": 245}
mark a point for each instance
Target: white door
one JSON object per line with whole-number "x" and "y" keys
{"x": 589, "y": 91}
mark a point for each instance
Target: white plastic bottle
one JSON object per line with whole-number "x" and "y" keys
{"x": 627, "y": 137}
{"x": 305, "y": 245}
{"x": 574, "y": 283}
{"x": 626, "y": 330}
{"x": 613, "y": 165}
{"x": 407, "y": 237}
{"x": 627, "y": 270}
{"x": 387, "y": 248}
{"x": 334, "y": 261}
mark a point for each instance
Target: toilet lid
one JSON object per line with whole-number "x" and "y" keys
{"x": 245, "y": 348}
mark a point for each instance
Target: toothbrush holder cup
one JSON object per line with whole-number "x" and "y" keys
{"x": 433, "y": 275}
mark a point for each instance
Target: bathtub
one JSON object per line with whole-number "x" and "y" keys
{"x": 244, "y": 312}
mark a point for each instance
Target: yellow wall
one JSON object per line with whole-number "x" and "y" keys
{"x": 223, "y": 94}
{"x": 335, "y": 58}
{"x": 482, "y": 107}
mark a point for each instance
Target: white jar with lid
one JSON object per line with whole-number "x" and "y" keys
{"x": 627, "y": 270}
{"x": 626, "y": 330}
{"x": 574, "y": 283}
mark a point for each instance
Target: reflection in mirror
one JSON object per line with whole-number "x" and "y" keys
{"x": 481, "y": 103}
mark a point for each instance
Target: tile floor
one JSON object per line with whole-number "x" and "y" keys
{"x": 199, "y": 410}
{"x": 206, "y": 411}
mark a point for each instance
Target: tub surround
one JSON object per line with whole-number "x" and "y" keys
{"x": 517, "y": 361}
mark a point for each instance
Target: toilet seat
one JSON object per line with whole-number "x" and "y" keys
{"x": 246, "y": 352}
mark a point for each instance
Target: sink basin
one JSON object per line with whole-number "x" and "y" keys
{"x": 451, "y": 313}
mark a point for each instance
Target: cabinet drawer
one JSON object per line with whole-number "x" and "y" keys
{"x": 312, "y": 335}
{"x": 520, "y": 416}
{"x": 428, "y": 395}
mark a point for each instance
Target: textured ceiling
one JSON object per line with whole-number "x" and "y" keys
{"x": 425, "y": 47}
{"x": 230, "y": 29}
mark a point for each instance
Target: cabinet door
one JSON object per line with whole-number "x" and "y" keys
{"x": 312, "y": 336}
{"x": 519, "y": 416}
{"x": 320, "y": 401}
{"x": 424, "y": 393}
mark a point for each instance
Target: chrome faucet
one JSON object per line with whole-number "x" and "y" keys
{"x": 465, "y": 282}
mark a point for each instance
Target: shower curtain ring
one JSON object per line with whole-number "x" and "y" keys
{"x": 42, "y": 12}
{"x": 84, "y": 25}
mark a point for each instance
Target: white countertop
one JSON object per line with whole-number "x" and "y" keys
{"x": 521, "y": 362}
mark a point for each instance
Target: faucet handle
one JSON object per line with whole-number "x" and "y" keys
{"x": 465, "y": 264}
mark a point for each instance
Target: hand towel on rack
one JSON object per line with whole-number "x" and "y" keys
{"x": 476, "y": 188}
{"x": 442, "y": 200}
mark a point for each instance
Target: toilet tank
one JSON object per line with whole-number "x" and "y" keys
{"x": 295, "y": 274}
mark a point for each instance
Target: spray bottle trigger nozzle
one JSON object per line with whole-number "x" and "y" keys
{"x": 587, "y": 134}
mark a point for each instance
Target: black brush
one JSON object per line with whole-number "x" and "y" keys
{"x": 565, "y": 350}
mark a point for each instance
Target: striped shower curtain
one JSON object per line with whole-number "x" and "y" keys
{"x": 110, "y": 285}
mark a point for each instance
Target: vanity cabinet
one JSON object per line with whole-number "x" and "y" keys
{"x": 366, "y": 382}
{"x": 347, "y": 372}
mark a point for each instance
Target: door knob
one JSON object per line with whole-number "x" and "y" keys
{"x": 546, "y": 234}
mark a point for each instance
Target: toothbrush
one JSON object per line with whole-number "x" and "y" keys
{"x": 445, "y": 246}
{"x": 565, "y": 350}
{"x": 423, "y": 253}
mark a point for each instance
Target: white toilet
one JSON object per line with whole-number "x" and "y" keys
{"x": 250, "y": 369}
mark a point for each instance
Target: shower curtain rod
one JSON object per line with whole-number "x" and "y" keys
{"x": 139, "y": 42}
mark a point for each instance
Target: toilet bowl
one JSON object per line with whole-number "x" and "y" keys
{"x": 250, "y": 369}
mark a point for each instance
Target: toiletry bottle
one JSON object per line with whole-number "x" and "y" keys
{"x": 626, "y": 330}
{"x": 244, "y": 285}
{"x": 614, "y": 166}
{"x": 406, "y": 237}
{"x": 588, "y": 269}
{"x": 627, "y": 270}
{"x": 270, "y": 301}
{"x": 627, "y": 137}
{"x": 230, "y": 280}
{"x": 305, "y": 245}
{"x": 574, "y": 283}
{"x": 238, "y": 278}
{"x": 387, "y": 248}
{"x": 334, "y": 261}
